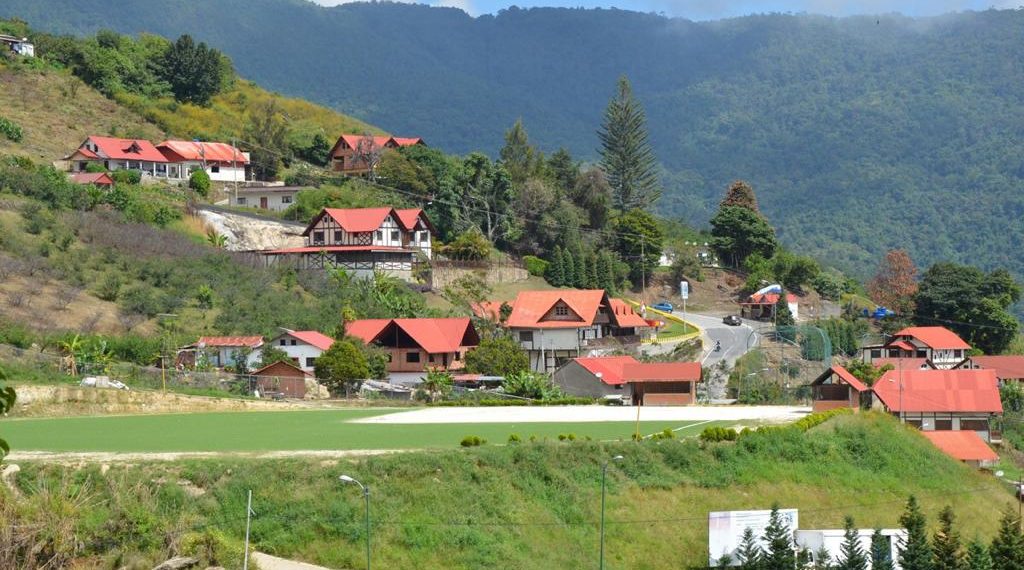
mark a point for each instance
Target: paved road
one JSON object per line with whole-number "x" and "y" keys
{"x": 734, "y": 339}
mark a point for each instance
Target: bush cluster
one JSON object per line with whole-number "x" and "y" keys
{"x": 717, "y": 433}
{"x": 11, "y": 130}
{"x": 817, "y": 418}
{"x": 472, "y": 441}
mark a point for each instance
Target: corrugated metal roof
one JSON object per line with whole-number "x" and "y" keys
{"x": 962, "y": 445}
{"x": 934, "y": 337}
{"x": 940, "y": 391}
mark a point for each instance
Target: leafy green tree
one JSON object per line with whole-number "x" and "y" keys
{"x": 749, "y": 554}
{"x": 639, "y": 241}
{"x": 563, "y": 169}
{"x": 881, "y": 551}
{"x": 851, "y": 555}
{"x": 1007, "y": 550}
{"x": 531, "y": 385}
{"x": 914, "y": 551}
{"x": 342, "y": 367}
{"x": 793, "y": 271}
{"x": 195, "y": 72}
{"x": 7, "y": 398}
{"x": 500, "y": 356}
{"x": 437, "y": 384}
{"x": 471, "y": 245}
{"x": 486, "y": 190}
{"x": 265, "y": 134}
{"x": 271, "y": 354}
{"x": 319, "y": 151}
{"x": 947, "y": 552}
{"x": 866, "y": 372}
{"x": 977, "y": 556}
{"x": 199, "y": 182}
{"x": 626, "y": 156}
{"x": 592, "y": 193}
{"x": 737, "y": 233}
{"x": 778, "y": 539}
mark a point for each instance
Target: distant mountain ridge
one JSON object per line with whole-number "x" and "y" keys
{"x": 859, "y": 134}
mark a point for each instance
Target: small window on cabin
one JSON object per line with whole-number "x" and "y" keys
{"x": 394, "y": 236}
{"x": 921, "y": 354}
{"x": 318, "y": 237}
{"x": 286, "y": 199}
{"x": 284, "y": 342}
{"x": 389, "y": 357}
{"x": 457, "y": 357}
{"x": 215, "y": 168}
{"x": 526, "y": 336}
{"x": 241, "y": 200}
{"x": 876, "y": 354}
{"x": 337, "y": 236}
{"x": 412, "y": 357}
{"x": 561, "y": 311}
{"x": 293, "y": 342}
{"x": 380, "y": 235}
{"x": 430, "y": 358}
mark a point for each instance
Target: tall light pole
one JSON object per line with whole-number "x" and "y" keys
{"x": 604, "y": 477}
{"x": 366, "y": 496}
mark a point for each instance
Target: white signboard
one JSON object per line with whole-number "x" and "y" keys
{"x": 684, "y": 290}
{"x": 725, "y": 530}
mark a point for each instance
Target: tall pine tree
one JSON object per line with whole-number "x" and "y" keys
{"x": 915, "y": 553}
{"x": 555, "y": 273}
{"x": 749, "y": 553}
{"x": 881, "y": 551}
{"x": 778, "y": 538}
{"x": 851, "y": 555}
{"x": 1007, "y": 550}
{"x": 977, "y": 556}
{"x": 581, "y": 269}
{"x": 626, "y": 156}
{"x": 946, "y": 548}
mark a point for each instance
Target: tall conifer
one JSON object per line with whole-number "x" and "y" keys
{"x": 626, "y": 156}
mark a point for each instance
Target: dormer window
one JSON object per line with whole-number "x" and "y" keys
{"x": 561, "y": 311}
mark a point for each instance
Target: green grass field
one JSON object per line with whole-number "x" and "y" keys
{"x": 288, "y": 431}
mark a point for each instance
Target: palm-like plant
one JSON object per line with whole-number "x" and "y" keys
{"x": 70, "y": 348}
{"x": 215, "y": 239}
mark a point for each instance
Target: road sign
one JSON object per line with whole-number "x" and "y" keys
{"x": 684, "y": 290}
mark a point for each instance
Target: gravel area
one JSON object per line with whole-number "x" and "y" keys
{"x": 556, "y": 414}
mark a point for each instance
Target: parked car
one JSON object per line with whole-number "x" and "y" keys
{"x": 663, "y": 306}
{"x": 732, "y": 321}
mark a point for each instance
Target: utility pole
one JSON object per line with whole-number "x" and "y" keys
{"x": 643, "y": 270}
{"x": 248, "y": 521}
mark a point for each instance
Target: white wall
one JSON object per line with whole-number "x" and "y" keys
{"x": 833, "y": 539}
{"x": 300, "y": 350}
{"x": 275, "y": 200}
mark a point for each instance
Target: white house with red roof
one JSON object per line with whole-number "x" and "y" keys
{"x": 761, "y": 306}
{"x": 359, "y": 154}
{"x": 942, "y": 400}
{"x": 639, "y": 383}
{"x": 124, "y": 154}
{"x": 416, "y": 345}
{"x": 939, "y": 346}
{"x": 222, "y": 351}
{"x": 303, "y": 347}
{"x": 222, "y": 161}
{"x": 364, "y": 240}
{"x": 555, "y": 326}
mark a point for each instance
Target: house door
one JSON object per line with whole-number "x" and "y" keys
{"x": 263, "y": 202}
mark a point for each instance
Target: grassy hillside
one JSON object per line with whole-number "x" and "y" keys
{"x": 522, "y": 506}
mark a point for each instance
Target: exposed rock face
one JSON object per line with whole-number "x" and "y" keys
{"x": 177, "y": 563}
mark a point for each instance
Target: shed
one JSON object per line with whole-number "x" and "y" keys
{"x": 837, "y": 388}
{"x": 966, "y": 446}
{"x": 282, "y": 378}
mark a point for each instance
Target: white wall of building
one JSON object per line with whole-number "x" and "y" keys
{"x": 832, "y": 541}
{"x": 276, "y": 201}
{"x": 300, "y": 350}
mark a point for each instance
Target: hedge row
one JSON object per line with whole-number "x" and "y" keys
{"x": 499, "y": 402}
{"x": 803, "y": 424}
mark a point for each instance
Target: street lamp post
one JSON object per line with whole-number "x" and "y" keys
{"x": 604, "y": 477}
{"x": 739, "y": 385}
{"x": 366, "y": 496}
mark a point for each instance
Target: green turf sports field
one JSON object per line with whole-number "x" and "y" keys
{"x": 286, "y": 431}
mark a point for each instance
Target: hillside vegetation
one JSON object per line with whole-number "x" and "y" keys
{"x": 908, "y": 131}
{"x": 531, "y": 505}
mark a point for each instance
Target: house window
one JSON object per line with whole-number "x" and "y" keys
{"x": 561, "y": 311}
{"x": 394, "y": 236}
{"x": 876, "y": 354}
{"x": 430, "y": 358}
{"x": 380, "y": 235}
{"x": 81, "y": 166}
{"x": 286, "y": 199}
{"x": 457, "y": 356}
{"x": 525, "y": 336}
{"x": 412, "y": 357}
{"x": 310, "y": 361}
{"x": 958, "y": 353}
{"x": 215, "y": 168}
{"x": 318, "y": 238}
{"x": 922, "y": 354}
{"x": 241, "y": 200}
{"x": 284, "y": 342}
{"x": 337, "y": 236}
{"x": 293, "y": 342}
{"x": 943, "y": 425}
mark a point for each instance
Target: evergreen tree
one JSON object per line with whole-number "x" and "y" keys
{"x": 914, "y": 551}
{"x": 851, "y": 555}
{"x": 556, "y": 271}
{"x": 626, "y": 155}
{"x": 947, "y": 552}
{"x": 569, "y": 271}
{"x": 749, "y": 553}
{"x": 605, "y": 273}
{"x": 783, "y": 316}
{"x": 1007, "y": 550}
{"x": 518, "y": 157}
{"x": 741, "y": 194}
{"x": 581, "y": 269}
{"x": 563, "y": 170}
{"x": 822, "y": 559}
{"x": 778, "y": 537}
{"x": 592, "y": 280}
{"x": 881, "y": 551}
{"x": 977, "y": 556}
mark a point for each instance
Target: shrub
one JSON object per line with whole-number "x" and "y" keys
{"x": 472, "y": 441}
{"x": 535, "y": 265}
{"x": 717, "y": 433}
{"x": 199, "y": 182}
{"x": 666, "y": 433}
{"x": 126, "y": 176}
{"x": 11, "y": 130}
{"x": 531, "y": 385}
{"x": 566, "y": 437}
{"x": 817, "y": 418}
{"x": 514, "y": 438}
{"x": 95, "y": 168}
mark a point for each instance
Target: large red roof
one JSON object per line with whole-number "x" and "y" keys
{"x": 934, "y": 337}
{"x": 610, "y": 369}
{"x": 1007, "y": 367}
{"x": 624, "y": 314}
{"x": 126, "y": 149}
{"x": 962, "y": 445}
{"x": 957, "y": 390}
{"x": 530, "y": 307}
{"x": 362, "y": 220}
{"x": 177, "y": 151}
{"x": 432, "y": 335}
{"x": 366, "y": 330}
{"x": 910, "y": 363}
{"x": 331, "y": 249}
{"x": 250, "y": 341}
{"x": 313, "y": 338}
{"x": 662, "y": 372}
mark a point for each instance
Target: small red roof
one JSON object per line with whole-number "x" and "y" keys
{"x": 962, "y": 445}
{"x": 610, "y": 369}
{"x": 769, "y": 299}
{"x": 177, "y": 151}
{"x": 406, "y": 141}
{"x": 530, "y": 307}
{"x": 125, "y": 149}
{"x": 407, "y": 218}
{"x": 662, "y": 372}
{"x": 332, "y": 249}
{"x": 94, "y": 178}
{"x": 250, "y": 341}
{"x": 625, "y": 316}
{"x": 312, "y": 338}
{"x": 281, "y": 363}
{"x": 366, "y": 330}
{"x": 902, "y": 344}
{"x": 843, "y": 375}
{"x": 1006, "y": 367}
{"x": 912, "y": 363}
{"x": 934, "y": 337}
{"x": 957, "y": 390}
{"x": 432, "y": 335}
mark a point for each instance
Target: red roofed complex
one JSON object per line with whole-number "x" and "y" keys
{"x": 965, "y": 446}
{"x": 761, "y": 306}
{"x": 942, "y": 400}
{"x": 554, "y": 326}
{"x": 941, "y": 347}
{"x": 416, "y": 345}
{"x": 1007, "y": 367}
{"x": 359, "y": 154}
{"x": 221, "y": 161}
{"x": 303, "y": 347}
{"x": 837, "y": 388}
{"x": 362, "y": 241}
{"x": 124, "y": 154}
{"x": 222, "y": 351}
{"x": 640, "y": 383}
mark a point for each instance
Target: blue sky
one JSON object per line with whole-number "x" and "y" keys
{"x": 715, "y": 9}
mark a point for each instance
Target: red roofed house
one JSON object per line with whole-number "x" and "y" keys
{"x": 416, "y": 345}
{"x": 101, "y": 179}
{"x": 837, "y": 388}
{"x": 1008, "y": 367}
{"x": 124, "y": 154}
{"x": 965, "y": 446}
{"x": 650, "y": 384}
{"x": 554, "y": 326}
{"x": 222, "y": 161}
{"x": 942, "y": 400}
{"x": 359, "y": 154}
{"x": 761, "y": 306}
{"x": 222, "y": 351}
{"x": 303, "y": 347}
{"x": 939, "y": 345}
{"x": 364, "y": 240}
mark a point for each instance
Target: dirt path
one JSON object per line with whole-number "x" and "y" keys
{"x": 268, "y": 562}
{"x": 74, "y": 458}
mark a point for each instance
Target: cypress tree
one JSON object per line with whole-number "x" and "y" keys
{"x": 851, "y": 555}
{"x": 605, "y": 276}
{"x": 626, "y": 156}
{"x": 881, "y": 551}
{"x": 593, "y": 282}
{"x": 822, "y": 559}
{"x": 556, "y": 271}
{"x": 978, "y": 557}
{"x": 581, "y": 269}
{"x": 914, "y": 551}
{"x": 569, "y": 269}
{"x": 946, "y": 549}
{"x": 749, "y": 554}
{"x": 779, "y": 540}
{"x": 1007, "y": 550}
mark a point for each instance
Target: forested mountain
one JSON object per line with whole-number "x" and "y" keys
{"x": 859, "y": 134}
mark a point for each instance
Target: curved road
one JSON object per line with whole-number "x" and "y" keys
{"x": 734, "y": 339}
